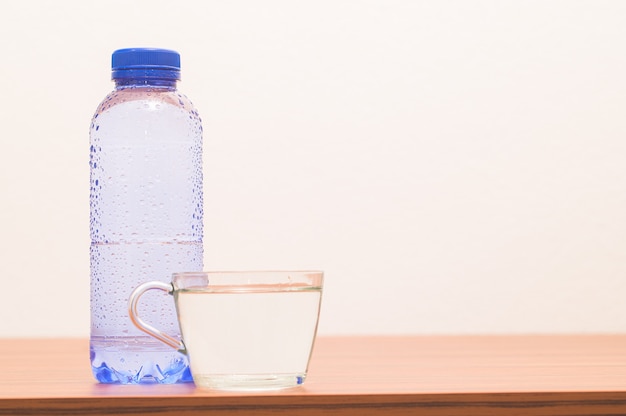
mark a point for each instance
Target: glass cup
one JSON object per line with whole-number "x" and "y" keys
{"x": 242, "y": 330}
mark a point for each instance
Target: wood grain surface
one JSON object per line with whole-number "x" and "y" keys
{"x": 416, "y": 375}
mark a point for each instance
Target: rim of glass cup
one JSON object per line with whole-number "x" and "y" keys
{"x": 301, "y": 271}
{"x": 249, "y": 280}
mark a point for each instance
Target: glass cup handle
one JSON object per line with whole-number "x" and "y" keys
{"x": 145, "y": 327}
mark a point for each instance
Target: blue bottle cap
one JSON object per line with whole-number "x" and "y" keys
{"x": 145, "y": 63}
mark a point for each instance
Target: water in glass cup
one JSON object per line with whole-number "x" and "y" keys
{"x": 249, "y": 338}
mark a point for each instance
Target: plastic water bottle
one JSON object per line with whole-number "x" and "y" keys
{"x": 146, "y": 213}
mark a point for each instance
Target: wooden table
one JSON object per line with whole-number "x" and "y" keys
{"x": 417, "y": 375}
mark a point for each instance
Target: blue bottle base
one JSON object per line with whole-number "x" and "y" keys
{"x": 139, "y": 364}
{"x": 106, "y": 375}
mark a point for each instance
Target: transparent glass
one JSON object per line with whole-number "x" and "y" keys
{"x": 242, "y": 330}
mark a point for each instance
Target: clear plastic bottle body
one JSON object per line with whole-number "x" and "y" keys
{"x": 146, "y": 223}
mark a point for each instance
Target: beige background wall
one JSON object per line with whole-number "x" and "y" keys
{"x": 453, "y": 166}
